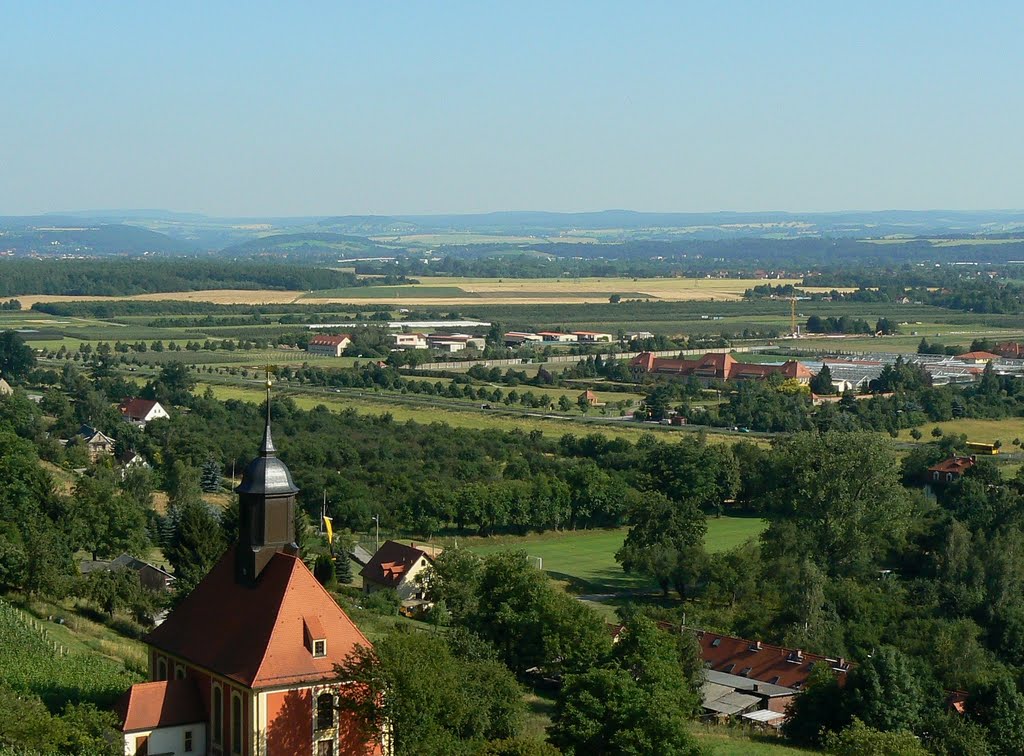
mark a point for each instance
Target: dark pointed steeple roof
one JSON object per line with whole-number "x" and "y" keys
{"x": 267, "y": 474}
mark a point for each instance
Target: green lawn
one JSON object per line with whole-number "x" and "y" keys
{"x": 725, "y": 741}
{"x": 587, "y": 557}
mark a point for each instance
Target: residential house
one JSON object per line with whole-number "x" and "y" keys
{"x": 329, "y": 345}
{"x": 404, "y": 341}
{"x": 638, "y": 335}
{"x": 716, "y": 366}
{"x": 592, "y": 337}
{"x": 950, "y": 470}
{"x": 141, "y": 411}
{"x": 590, "y": 398}
{"x": 99, "y": 444}
{"x": 150, "y": 576}
{"x": 977, "y": 358}
{"x": 395, "y": 566}
{"x": 247, "y": 662}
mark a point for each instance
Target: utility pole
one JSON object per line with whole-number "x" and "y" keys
{"x": 376, "y": 519}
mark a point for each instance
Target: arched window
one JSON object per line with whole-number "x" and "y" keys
{"x": 217, "y": 704}
{"x": 324, "y": 711}
{"x": 161, "y": 669}
{"x": 236, "y": 723}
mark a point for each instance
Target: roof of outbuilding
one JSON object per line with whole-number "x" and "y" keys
{"x": 148, "y": 706}
{"x": 255, "y": 635}
{"x": 136, "y": 407}
{"x": 955, "y": 464}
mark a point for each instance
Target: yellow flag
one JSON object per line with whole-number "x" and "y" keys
{"x": 330, "y": 529}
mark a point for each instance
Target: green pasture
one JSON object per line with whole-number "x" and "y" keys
{"x": 587, "y": 557}
{"x": 983, "y": 431}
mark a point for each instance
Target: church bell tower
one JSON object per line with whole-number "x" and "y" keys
{"x": 266, "y": 510}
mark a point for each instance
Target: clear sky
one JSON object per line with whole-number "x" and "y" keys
{"x": 419, "y": 107}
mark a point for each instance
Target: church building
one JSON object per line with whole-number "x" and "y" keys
{"x": 245, "y": 665}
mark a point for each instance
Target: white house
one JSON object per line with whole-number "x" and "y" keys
{"x": 328, "y": 344}
{"x": 395, "y": 566}
{"x": 405, "y": 341}
{"x": 455, "y": 342}
{"x": 141, "y": 411}
{"x": 163, "y": 718}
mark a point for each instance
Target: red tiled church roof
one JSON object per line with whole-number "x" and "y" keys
{"x": 167, "y": 703}
{"x": 391, "y": 562}
{"x": 256, "y": 635}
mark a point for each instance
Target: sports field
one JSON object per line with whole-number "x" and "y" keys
{"x": 587, "y": 557}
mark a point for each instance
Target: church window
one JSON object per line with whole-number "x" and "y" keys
{"x": 179, "y": 672}
{"x": 218, "y": 715}
{"x": 236, "y": 723}
{"x": 324, "y": 711}
{"x": 188, "y": 741}
{"x": 161, "y": 669}
{"x": 325, "y": 748}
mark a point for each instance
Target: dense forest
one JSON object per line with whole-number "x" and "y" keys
{"x": 127, "y": 277}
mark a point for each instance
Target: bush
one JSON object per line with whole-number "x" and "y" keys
{"x": 384, "y": 602}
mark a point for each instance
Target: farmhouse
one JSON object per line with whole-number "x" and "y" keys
{"x": 329, "y": 345}
{"x": 950, "y": 470}
{"x": 246, "y": 662}
{"x": 715, "y": 366}
{"x": 141, "y": 411}
{"x": 395, "y": 566}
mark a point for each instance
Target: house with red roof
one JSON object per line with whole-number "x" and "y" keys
{"x": 715, "y": 367}
{"x": 395, "y": 567}
{"x": 950, "y": 470}
{"x": 978, "y": 358}
{"x": 245, "y": 665}
{"x": 141, "y": 411}
{"x": 328, "y": 344}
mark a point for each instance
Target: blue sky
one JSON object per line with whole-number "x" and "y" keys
{"x": 413, "y": 107}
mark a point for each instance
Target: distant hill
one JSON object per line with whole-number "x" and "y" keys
{"x": 305, "y": 244}
{"x": 63, "y": 237}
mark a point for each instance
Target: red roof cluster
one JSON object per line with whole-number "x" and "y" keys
{"x": 255, "y": 635}
{"x": 391, "y": 562}
{"x": 147, "y": 706}
{"x": 788, "y": 667}
{"x": 717, "y": 365}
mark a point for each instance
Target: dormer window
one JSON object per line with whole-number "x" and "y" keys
{"x": 315, "y": 637}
